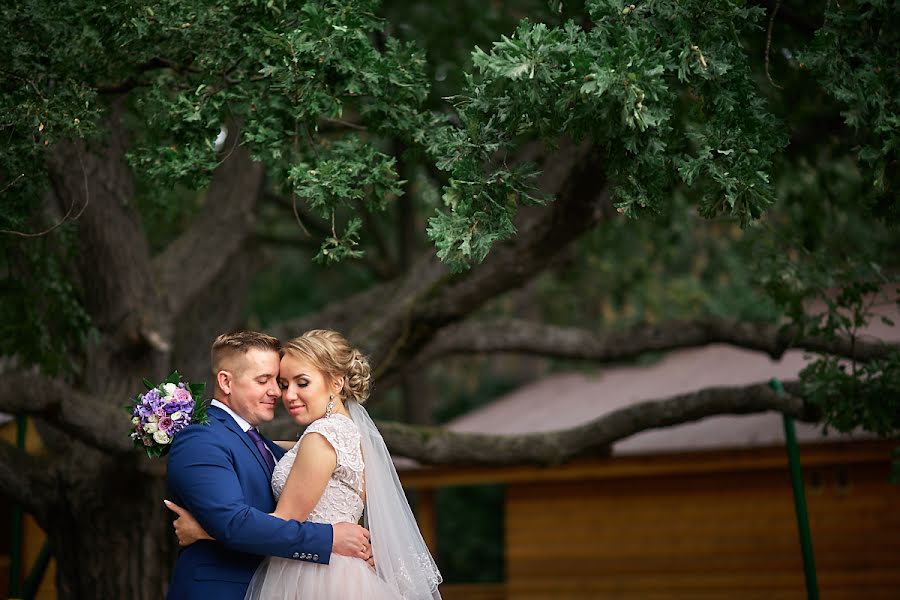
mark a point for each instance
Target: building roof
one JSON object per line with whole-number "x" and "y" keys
{"x": 564, "y": 400}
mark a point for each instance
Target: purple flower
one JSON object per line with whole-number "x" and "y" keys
{"x": 151, "y": 395}
{"x": 182, "y": 395}
{"x": 159, "y": 412}
{"x": 165, "y": 424}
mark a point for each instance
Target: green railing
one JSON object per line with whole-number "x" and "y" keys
{"x": 18, "y": 588}
{"x": 806, "y": 547}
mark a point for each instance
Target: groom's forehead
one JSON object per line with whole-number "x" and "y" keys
{"x": 256, "y": 363}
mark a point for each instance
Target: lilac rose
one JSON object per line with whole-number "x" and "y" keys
{"x": 166, "y": 424}
{"x": 182, "y": 395}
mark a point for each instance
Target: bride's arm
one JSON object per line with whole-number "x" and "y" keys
{"x": 312, "y": 468}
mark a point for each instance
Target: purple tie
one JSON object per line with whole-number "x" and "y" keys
{"x": 261, "y": 446}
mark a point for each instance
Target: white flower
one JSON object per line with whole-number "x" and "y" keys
{"x": 153, "y": 419}
{"x": 161, "y": 437}
{"x": 169, "y": 389}
{"x": 151, "y": 427}
{"x": 135, "y": 420}
{"x": 176, "y": 415}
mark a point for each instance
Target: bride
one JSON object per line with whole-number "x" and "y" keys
{"x": 338, "y": 468}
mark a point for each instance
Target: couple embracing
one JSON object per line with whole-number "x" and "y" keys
{"x": 241, "y": 497}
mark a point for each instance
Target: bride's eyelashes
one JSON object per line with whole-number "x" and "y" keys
{"x": 285, "y": 385}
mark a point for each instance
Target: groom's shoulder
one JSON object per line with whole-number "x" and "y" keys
{"x": 206, "y": 433}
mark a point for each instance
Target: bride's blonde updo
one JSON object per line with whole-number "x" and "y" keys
{"x": 331, "y": 353}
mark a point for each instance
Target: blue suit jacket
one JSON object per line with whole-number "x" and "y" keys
{"x": 217, "y": 473}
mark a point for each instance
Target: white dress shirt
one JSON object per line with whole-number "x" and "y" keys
{"x": 241, "y": 421}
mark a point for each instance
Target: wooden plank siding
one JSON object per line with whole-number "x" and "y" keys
{"x": 33, "y": 537}
{"x": 704, "y": 535}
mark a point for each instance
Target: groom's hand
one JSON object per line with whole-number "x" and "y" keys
{"x": 187, "y": 529}
{"x": 352, "y": 540}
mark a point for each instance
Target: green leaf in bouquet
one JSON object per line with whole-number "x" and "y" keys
{"x": 173, "y": 378}
{"x": 196, "y": 390}
{"x": 147, "y": 383}
{"x": 200, "y": 417}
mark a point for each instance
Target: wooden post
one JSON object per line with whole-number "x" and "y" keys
{"x": 425, "y": 515}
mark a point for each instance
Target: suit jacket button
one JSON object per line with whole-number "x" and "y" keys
{"x": 315, "y": 557}
{"x": 296, "y": 555}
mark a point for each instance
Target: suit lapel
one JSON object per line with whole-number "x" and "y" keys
{"x": 236, "y": 429}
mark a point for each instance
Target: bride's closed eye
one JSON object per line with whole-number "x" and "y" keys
{"x": 284, "y": 385}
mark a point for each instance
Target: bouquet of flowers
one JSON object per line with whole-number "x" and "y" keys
{"x": 164, "y": 410}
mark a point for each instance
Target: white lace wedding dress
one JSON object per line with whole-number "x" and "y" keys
{"x": 343, "y": 578}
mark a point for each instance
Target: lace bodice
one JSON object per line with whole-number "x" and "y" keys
{"x": 342, "y": 500}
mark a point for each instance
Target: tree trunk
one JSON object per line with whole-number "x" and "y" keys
{"x": 109, "y": 530}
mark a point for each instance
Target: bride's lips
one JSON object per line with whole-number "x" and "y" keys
{"x": 295, "y": 408}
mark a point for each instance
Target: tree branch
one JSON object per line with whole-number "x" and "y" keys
{"x": 437, "y": 299}
{"x": 86, "y": 418}
{"x": 438, "y": 446}
{"x": 412, "y": 309}
{"x": 529, "y": 337}
{"x": 202, "y": 254}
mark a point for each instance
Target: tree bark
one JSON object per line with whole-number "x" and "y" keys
{"x": 110, "y": 532}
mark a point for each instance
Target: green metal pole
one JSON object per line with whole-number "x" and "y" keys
{"x": 33, "y": 581}
{"x": 806, "y": 547}
{"x": 15, "y": 552}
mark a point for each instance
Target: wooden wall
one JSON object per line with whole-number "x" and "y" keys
{"x": 33, "y": 537}
{"x": 705, "y": 535}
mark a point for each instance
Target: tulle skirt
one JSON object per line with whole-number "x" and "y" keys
{"x": 344, "y": 578}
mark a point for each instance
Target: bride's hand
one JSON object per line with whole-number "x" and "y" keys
{"x": 187, "y": 529}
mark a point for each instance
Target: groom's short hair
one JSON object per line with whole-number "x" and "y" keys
{"x": 228, "y": 345}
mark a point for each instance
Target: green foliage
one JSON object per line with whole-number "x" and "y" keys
{"x": 470, "y": 533}
{"x": 854, "y": 55}
{"x": 348, "y": 173}
{"x": 343, "y": 100}
{"x": 863, "y": 395}
{"x": 620, "y": 84}
{"x": 42, "y": 319}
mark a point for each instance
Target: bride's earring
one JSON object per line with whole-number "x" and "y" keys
{"x": 330, "y": 407}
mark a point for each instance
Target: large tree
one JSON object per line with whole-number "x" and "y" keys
{"x": 131, "y": 238}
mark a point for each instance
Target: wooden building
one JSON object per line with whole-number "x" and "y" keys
{"x": 32, "y": 537}
{"x": 697, "y": 511}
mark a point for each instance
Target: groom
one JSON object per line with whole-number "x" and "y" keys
{"x": 221, "y": 473}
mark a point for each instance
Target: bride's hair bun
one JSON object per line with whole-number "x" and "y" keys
{"x": 331, "y": 353}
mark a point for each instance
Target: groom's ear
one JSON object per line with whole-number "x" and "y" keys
{"x": 224, "y": 379}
